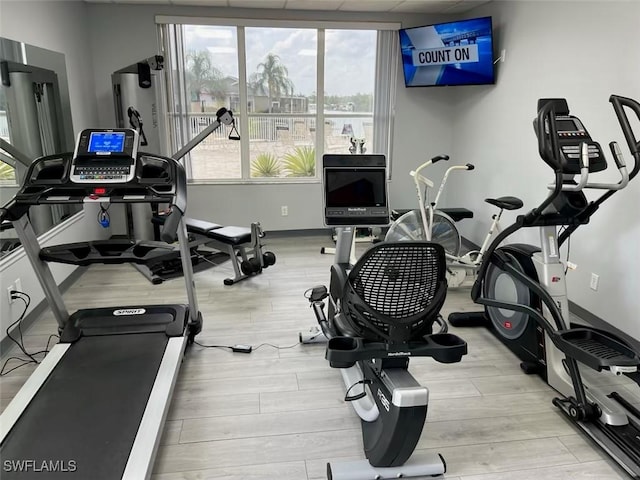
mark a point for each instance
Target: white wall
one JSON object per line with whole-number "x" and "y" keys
{"x": 123, "y": 34}
{"x": 62, "y": 27}
{"x": 582, "y": 51}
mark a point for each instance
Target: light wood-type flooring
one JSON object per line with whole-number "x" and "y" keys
{"x": 279, "y": 414}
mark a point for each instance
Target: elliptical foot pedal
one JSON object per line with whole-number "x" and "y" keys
{"x": 418, "y": 466}
{"x": 595, "y": 349}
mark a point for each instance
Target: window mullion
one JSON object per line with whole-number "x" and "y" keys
{"x": 245, "y": 154}
{"x": 320, "y": 135}
{"x": 384, "y": 93}
{"x": 183, "y": 99}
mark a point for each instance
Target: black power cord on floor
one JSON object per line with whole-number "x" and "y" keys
{"x": 16, "y": 295}
{"x": 242, "y": 348}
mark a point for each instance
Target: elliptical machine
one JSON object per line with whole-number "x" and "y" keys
{"x": 523, "y": 288}
{"x": 381, "y": 312}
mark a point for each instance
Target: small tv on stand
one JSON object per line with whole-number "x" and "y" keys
{"x": 355, "y": 190}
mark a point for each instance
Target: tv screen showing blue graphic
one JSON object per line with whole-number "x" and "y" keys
{"x": 106, "y": 142}
{"x": 454, "y": 53}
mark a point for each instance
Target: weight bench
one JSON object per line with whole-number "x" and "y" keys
{"x": 234, "y": 241}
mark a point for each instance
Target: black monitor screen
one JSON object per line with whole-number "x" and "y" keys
{"x": 563, "y": 125}
{"x": 361, "y": 187}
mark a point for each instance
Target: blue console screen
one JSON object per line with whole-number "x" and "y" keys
{"x": 106, "y": 142}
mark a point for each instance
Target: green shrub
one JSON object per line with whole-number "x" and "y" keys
{"x": 7, "y": 172}
{"x": 301, "y": 162}
{"x": 265, "y": 165}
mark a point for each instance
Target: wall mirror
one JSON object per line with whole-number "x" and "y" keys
{"x": 35, "y": 120}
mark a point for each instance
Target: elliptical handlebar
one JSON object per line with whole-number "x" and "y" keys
{"x": 547, "y": 131}
{"x": 619, "y": 103}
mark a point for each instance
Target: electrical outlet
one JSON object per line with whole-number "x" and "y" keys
{"x": 594, "y": 282}
{"x": 284, "y": 210}
{"x": 503, "y": 55}
{"x": 15, "y": 286}
{"x": 10, "y": 289}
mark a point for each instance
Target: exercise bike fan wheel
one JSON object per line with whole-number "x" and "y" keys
{"x": 443, "y": 231}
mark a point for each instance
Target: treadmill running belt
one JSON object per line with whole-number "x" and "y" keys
{"x": 86, "y": 415}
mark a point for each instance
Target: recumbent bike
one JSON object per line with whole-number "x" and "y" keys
{"x": 381, "y": 312}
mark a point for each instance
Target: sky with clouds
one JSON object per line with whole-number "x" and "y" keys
{"x": 349, "y": 58}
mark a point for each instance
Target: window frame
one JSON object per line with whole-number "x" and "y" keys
{"x": 384, "y": 91}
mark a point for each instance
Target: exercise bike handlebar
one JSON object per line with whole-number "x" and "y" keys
{"x": 420, "y": 178}
{"x": 467, "y": 167}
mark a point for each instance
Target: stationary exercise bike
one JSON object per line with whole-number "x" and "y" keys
{"x": 429, "y": 223}
{"x": 523, "y": 287}
{"x": 380, "y": 312}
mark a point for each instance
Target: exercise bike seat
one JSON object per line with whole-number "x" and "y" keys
{"x": 507, "y": 203}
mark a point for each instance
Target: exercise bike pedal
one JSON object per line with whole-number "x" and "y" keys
{"x": 596, "y": 349}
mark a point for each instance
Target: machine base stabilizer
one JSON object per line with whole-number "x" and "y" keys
{"x": 418, "y": 466}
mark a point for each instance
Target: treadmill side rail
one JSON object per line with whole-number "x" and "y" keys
{"x": 142, "y": 456}
{"x": 18, "y": 405}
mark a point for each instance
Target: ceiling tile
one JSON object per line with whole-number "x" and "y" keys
{"x": 161, "y": 2}
{"x": 314, "y": 4}
{"x": 404, "y": 6}
{"x": 465, "y": 6}
{"x": 257, "y": 3}
{"x": 417, "y": 6}
{"x": 369, "y": 5}
{"x": 206, "y": 3}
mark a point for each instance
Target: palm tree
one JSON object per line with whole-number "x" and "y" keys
{"x": 272, "y": 78}
{"x": 203, "y": 76}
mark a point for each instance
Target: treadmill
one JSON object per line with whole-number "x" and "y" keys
{"x": 96, "y": 405}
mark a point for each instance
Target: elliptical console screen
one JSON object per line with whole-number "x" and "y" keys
{"x": 571, "y": 135}
{"x": 355, "y": 190}
{"x": 106, "y": 142}
{"x": 105, "y": 156}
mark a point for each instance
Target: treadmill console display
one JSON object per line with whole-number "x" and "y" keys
{"x": 102, "y": 143}
{"x": 105, "y": 156}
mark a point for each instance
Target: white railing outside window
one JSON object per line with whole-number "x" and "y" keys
{"x": 285, "y": 127}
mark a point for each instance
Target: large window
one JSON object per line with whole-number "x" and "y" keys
{"x": 296, "y": 92}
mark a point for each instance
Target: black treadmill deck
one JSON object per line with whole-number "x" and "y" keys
{"x": 84, "y": 419}
{"x": 87, "y": 413}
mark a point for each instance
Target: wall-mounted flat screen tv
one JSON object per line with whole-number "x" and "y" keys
{"x": 453, "y": 53}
